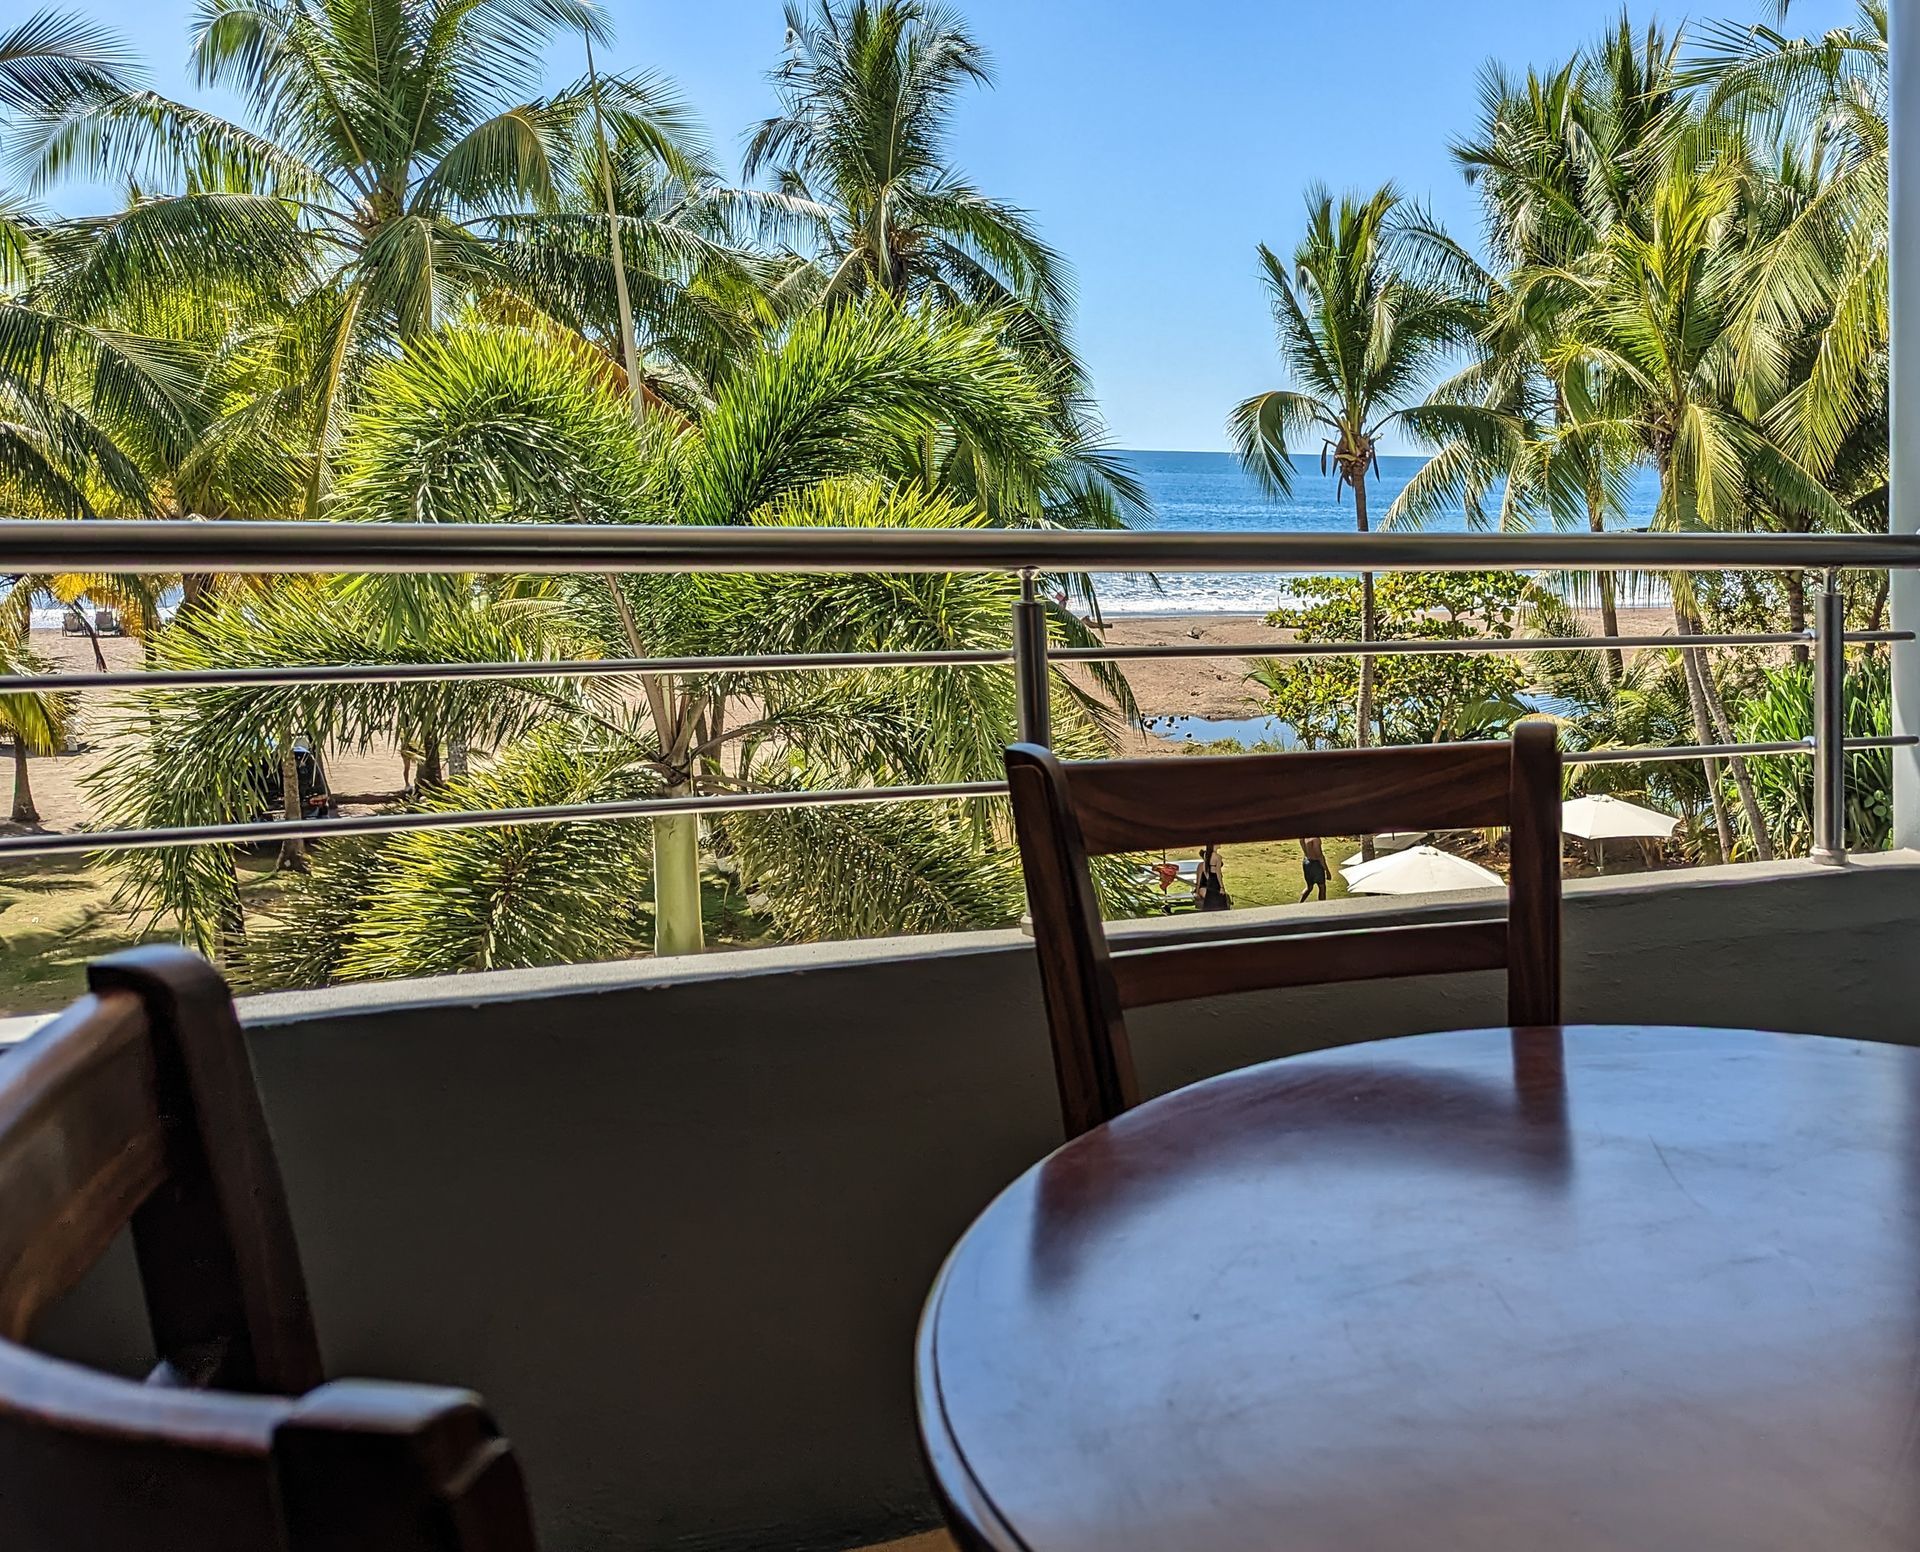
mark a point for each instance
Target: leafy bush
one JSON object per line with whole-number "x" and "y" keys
{"x": 1781, "y": 710}
{"x": 1419, "y": 698}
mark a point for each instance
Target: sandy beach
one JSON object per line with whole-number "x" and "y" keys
{"x": 59, "y": 780}
{"x": 1214, "y": 688}
{"x": 1217, "y": 688}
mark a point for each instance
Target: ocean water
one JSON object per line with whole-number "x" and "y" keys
{"x": 1211, "y": 493}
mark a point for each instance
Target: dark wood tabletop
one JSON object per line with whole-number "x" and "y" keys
{"x": 1603, "y": 1288}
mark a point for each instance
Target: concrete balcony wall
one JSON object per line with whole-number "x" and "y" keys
{"x": 675, "y": 1220}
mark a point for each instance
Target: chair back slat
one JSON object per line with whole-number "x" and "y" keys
{"x": 226, "y": 1296}
{"x": 81, "y": 1147}
{"x": 1065, "y": 814}
{"x": 1148, "y": 805}
{"x": 1148, "y": 976}
{"x": 1091, "y": 1055}
{"x": 137, "y": 1109}
{"x": 1533, "y": 892}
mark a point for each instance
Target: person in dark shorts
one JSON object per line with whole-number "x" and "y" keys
{"x": 1313, "y": 863}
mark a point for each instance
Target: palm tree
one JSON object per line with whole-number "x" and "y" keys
{"x": 1813, "y": 332}
{"x": 34, "y": 722}
{"x": 1554, "y": 157}
{"x": 863, "y": 178}
{"x": 1558, "y": 159}
{"x": 72, "y": 390}
{"x": 859, "y": 148}
{"x": 696, "y": 297}
{"x": 1648, "y": 705}
{"x": 1639, "y": 230}
{"x": 1650, "y": 324}
{"x": 490, "y": 425}
{"x": 1363, "y": 323}
{"x": 395, "y": 144}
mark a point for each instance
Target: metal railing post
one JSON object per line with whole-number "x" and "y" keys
{"x": 1030, "y": 664}
{"x": 1830, "y": 724}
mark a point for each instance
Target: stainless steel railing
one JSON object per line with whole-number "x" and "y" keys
{"x": 109, "y": 546}
{"x": 28, "y": 546}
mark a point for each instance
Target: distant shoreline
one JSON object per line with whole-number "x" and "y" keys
{"x": 1216, "y": 687}
{"x": 1211, "y": 687}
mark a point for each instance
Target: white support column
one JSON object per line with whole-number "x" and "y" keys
{"x": 1905, "y": 414}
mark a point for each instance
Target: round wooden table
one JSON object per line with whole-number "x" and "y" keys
{"x": 1454, "y": 1293}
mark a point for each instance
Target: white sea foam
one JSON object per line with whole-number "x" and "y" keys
{"x": 1212, "y": 592}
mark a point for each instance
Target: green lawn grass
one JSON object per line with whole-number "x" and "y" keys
{"x": 57, "y": 913}
{"x": 1269, "y": 872}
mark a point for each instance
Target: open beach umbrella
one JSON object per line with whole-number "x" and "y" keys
{"x": 1601, "y": 818}
{"x": 1357, "y": 866}
{"x": 1423, "y": 870}
{"x": 1598, "y": 818}
{"x": 1386, "y": 841}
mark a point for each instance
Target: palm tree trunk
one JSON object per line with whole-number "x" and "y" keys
{"x": 1363, "y": 712}
{"x": 677, "y": 928}
{"x": 1609, "y": 605}
{"x": 1703, "y": 733}
{"x": 293, "y": 853}
{"x": 676, "y": 842}
{"x": 431, "y": 776}
{"x": 1710, "y": 720}
{"x": 232, "y": 945}
{"x": 93, "y": 636}
{"x": 1742, "y": 777}
{"x": 1796, "y": 585}
{"x": 24, "y": 812}
{"x": 196, "y": 591}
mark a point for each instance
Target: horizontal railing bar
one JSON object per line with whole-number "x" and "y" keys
{"x": 558, "y": 668}
{"x": 1471, "y": 644}
{"x": 1727, "y": 751}
{"x": 591, "y": 668}
{"x": 271, "y": 833}
{"x": 117, "y": 545}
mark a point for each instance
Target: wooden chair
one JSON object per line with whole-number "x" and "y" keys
{"x": 1066, "y": 813}
{"x": 137, "y": 1108}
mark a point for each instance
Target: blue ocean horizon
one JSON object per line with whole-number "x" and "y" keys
{"x": 1212, "y": 493}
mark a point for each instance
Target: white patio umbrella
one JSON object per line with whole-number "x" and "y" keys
{"x": 1601, "y": 818}
{"x": 1423, "y": 870}
{"x": 1385, "y": 842}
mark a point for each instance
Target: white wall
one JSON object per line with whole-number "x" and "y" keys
{"x": 1905, "y": 413}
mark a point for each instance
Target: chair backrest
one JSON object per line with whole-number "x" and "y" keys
{"x": 1066, "y": 813}
{"x": 137, "y": 1109}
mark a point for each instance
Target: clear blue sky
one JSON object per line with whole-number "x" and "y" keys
{"x": 1156, "y": 142}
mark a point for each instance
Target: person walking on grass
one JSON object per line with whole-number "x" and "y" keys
{"x": 1313, "y": 863}
{"x": 1209, "y": 888}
